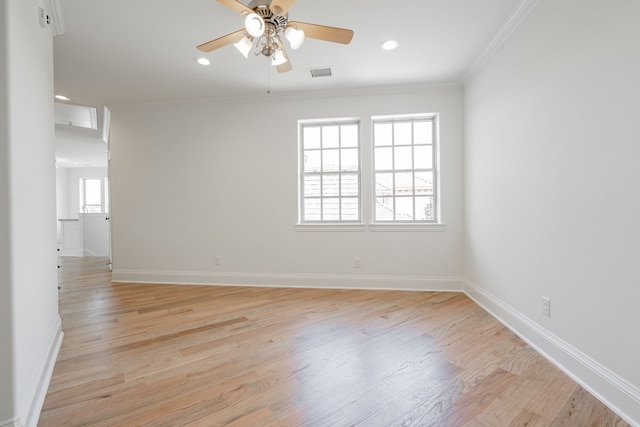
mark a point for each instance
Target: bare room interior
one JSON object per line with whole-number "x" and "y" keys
{"x": 319, "y": 213}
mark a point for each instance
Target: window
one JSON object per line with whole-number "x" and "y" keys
{"x": 330, "y": 171}
{"x": 92, "y": 196}
{"x": 405, "y": 169}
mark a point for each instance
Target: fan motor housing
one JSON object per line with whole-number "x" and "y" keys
{"x": 267, "y": 15}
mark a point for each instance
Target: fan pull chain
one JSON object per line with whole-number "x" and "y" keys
{"x": 268, "y": 80}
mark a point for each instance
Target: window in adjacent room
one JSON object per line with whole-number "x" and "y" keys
{"x": 330, "y": 171}
{"x": 92, "y": 195}
{"x": 405, "y": 173}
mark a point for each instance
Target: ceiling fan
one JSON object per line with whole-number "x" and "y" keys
{"x": 266, "y": 23}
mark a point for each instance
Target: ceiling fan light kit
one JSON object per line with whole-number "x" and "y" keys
{"x": 266, "y": 24}
{"x": 244, "y": 46}
{"x": 254, "y": 24}
{"x": 295, "y": 37}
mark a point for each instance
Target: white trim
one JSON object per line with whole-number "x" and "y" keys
{"x": 413, "y": 227}
{"x": 329, "y": 226}
{"x": 40, "y": 381}
{"x": 14, "y": 422}
{"x": 71, "y": 252}
{"x": 615, "y": 392}
{"x": 404, "y": 283}
{"x": 521, "y": 12}
{"x": 317, "y": 94}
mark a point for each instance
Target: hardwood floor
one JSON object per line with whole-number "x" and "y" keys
{"x": 167, "y": 355}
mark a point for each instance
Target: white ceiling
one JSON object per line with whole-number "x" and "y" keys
{"x": 124, "y": 51}
{"x": 139, "y": 51}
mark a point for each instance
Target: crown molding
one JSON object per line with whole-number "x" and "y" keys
{"x": 520, "y": 13}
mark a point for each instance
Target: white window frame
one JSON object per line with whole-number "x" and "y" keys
{"x": 327, "y": 223}
{"x": 380, "y": 224}
{"x": 103, "y": 206}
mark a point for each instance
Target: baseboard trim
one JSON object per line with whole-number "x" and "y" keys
{"x": 40, "y": 385}
{"x": 618, "y": 394}
{"x": 71, "y": 252}
{"x": 15, "y": 422}
{"x": 409, "y": 283}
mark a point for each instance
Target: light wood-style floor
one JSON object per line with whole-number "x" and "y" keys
{"x": 166, "y": 355}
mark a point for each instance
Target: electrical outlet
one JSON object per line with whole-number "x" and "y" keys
{"x": 546, "y": 306}
{"x": 216, "y": 261}
{"x": 356, "y": 263}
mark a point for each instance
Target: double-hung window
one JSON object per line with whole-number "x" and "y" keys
{"x": 93, "y": 195}
{"x": 330, "y": 171}
{"x": 405, "y": 169}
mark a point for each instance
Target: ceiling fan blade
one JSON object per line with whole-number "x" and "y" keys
{"x": 281, "y": 7}
{"x": 283, "y": 68}
{"x": 221, "y": 41}
{"x": 236, "y": 6}
{"x": 322, "y": 32}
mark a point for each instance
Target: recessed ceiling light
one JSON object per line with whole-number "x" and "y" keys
{"x": 390, "y": 45}
{"x": 203, "y": 61}
{"x": 62, "y": 98}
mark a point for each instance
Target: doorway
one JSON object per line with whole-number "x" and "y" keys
{"x": 82, "y": 182}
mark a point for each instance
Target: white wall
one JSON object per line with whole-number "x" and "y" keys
{"x": 6, "y": 321}
{"x": 62, "y": 203}
{"x": 30, "y": 333}
{"x": 194, "y": 180}
{"x": 551, "y": 181}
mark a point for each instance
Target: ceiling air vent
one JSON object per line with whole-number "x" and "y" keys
{"x": 320, "y": 72}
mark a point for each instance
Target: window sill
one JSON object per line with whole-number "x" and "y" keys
{"x": 379, "y": 227}
{"x": 330, "y": 227}
{"x": 407, "y": 227}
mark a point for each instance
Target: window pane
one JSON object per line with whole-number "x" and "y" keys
{"x": 384, "y": 184}
{"x": 402, "y": 158}
{"x": 405, "y": 169}
{"x": 311, "y": 137}
{"x": 330, "y": 178}
{"x": 424, "y": 183}
{"x": 383, "y": 133}
{"x": 384, "y": 209}
{"x": 312, "y": 186}
{"x": 402, "y": 133}
{"x": 349, "y": 135}
{"x": 312, "y": 210}
{"x": 330, "y": 136}
{"x": 92, "y": 191}
{"x": 423, "y": 132}
{"x": 349, "y": 159}
{"x": 423, "y": 157}
{"x": 350, "y": 209}
{"x": 330, "y": 185}
{"x": 424, "y": 208}
{"x": 403, "y": 183}
{"x": 404, "y": 208}
{"x": 330, "y": 160}
{"x": 384, "y": 158}
{"x": 350, "y": 184}
{"x": 331, "y": 209}
{"x": 312, "y": 161}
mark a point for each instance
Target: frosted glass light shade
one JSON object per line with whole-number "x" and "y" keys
{"x": 244, "y": 46}
{"x": 295, "y": 37}
{"x": 254, "y": 24}
{"x": 278, "y": 58}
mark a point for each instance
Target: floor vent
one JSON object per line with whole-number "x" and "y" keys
{"x": 320, "y": 72}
